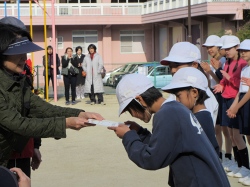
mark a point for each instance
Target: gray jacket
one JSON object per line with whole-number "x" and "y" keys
{"x": 93, "y": 69}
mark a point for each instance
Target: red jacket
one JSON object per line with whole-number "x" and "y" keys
{"x": 231, "y": 86}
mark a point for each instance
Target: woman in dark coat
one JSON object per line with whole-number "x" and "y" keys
{"x": 80, "y": 80}
{"x": 51, "y": 66}
{"x": 69, "y": 78}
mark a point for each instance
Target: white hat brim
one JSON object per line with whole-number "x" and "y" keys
{"x": 124, "y": 105}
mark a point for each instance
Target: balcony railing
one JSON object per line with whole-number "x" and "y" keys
{"x": 76, "y": 9}
{"x": 104, "y": 8}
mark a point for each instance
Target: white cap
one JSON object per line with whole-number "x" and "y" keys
{"x": 183, "y": 52}
{"x": 230, "y": 41}
{"x": 129, "y": 87}
{"x": 186, "y": 77}
{"x": 245, "y": 45}
{"x": 222, "y": 39}
{"x": 212, "y": 40}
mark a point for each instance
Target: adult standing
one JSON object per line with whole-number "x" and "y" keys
{"x": 93, "y": 66}
{"x": 51, "y": 66}
{"x": 80, "y": 80}
{"x": 30, "y": 157}
{"x": 69, "y": 77}
{"x": 22, "y": 113}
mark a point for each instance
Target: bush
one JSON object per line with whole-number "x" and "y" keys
{"x": 244, "y": 31}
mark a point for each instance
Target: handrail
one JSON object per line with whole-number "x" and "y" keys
{"x": 125, "y": 9}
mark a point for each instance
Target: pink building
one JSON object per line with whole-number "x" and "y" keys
{"x": 127, "y": 30}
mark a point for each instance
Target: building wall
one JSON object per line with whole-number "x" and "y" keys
{"x": 108, "y": 46}
{"x": 119, "y": 58}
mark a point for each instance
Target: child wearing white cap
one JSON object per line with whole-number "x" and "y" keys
{"x": 190, "y": 85}
{"x": 241, "y": 104}
{"x": 213, "y": 45}
{"x": 229, "y": 87}
{"x": 190, "y": 57}
{"x": 177, "y": 139}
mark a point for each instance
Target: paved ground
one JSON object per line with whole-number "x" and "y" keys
{"x": 94, "y": 157}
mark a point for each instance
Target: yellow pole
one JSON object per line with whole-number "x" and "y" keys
{"x": 46, "y": 54}
{"x": 31, "y": 34}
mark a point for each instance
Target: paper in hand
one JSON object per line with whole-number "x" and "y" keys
{"x": 105, "y": 123}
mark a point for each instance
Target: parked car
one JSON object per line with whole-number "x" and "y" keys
{"x": 159, "y": 75}
{"x": 105, "y": 80}
{"x": 148, "y": 65}
{"x": 128, "y": 68}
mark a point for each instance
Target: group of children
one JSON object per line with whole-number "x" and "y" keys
{"x": 205, "y": 100}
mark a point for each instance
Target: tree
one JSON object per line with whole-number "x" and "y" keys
{"x": 244, "y": 30}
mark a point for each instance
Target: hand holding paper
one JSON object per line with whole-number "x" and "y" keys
{"x": 105, "y": 123}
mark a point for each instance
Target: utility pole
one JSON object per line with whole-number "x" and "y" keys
{"x": 189, "y": 37}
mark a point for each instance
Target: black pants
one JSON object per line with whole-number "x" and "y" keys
{"x": 70, "y": 81}
{"x": 22, "y": 163}
{"x": 52, "y": 80}
{"x": 92, "y": 95}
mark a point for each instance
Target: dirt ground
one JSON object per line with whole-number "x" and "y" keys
{"x": 95, "y": 156}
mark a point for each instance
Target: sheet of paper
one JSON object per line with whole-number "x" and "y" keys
{"x": 105, "y": 123}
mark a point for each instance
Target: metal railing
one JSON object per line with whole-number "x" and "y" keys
{"x": 104, "y": 9}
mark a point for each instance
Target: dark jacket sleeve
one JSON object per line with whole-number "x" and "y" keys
{"x": 160, "y": 150}
{"x": 42, "y": 109}
{"x": 37, "y": 143}
{"x": 57, "y": 61}
{"x": 218, "y": 73}
{"x": 65, "y": 62}
{"x": 74, "y": 62}
{"x": 31, "y": 127}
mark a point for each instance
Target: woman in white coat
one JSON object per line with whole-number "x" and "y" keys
{"x": 93, "y": 65}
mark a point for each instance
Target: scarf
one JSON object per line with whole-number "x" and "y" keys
{"x": 92, "y": 56}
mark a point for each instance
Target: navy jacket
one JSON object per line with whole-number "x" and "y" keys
{"x": 205, "y": 119}
{"x": 178, "y": 141}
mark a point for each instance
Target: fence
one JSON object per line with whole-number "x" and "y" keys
{"x": 103, "y": 9}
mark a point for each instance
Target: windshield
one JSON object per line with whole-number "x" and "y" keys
{"x": 131, "y": 67}
{"x": 123, "y": 68}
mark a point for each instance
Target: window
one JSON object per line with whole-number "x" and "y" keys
{"x": 84, "y": 38}
{"x": 160, "y": 71}
{"x": 132, "y": 41}
{"x": 59, "y": 42}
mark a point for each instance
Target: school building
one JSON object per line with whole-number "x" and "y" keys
{"x": 127, "y": 30}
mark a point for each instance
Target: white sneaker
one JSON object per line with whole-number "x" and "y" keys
{"x": 244, "y": 178}
{"x": 246, "y": 182}
{"x": 225, "y": 162}
{"x": 78, "y": 97}
{"x": 231, "y": 166}
{"x": 233, "y": 172}
{"x": 82, "y": 97}
{"x": 243, "y": 172}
